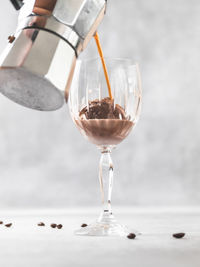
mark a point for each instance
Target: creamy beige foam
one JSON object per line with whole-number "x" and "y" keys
{"x": 105, "y": 131}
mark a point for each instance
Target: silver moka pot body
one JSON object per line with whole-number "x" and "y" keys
{"x": 37, "y": 66}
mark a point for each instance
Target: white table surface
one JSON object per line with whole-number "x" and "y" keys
{"x": 26, "y": 244}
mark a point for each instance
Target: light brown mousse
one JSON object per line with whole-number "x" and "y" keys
{"x": 104, "y": 123}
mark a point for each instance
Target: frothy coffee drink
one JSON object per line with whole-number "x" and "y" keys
{"x": 103, "y": 122}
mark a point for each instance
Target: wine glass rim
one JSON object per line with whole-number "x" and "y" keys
{"x": 109, "y": 58}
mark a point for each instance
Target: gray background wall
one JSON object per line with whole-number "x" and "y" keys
{"x": 45, "y": 162}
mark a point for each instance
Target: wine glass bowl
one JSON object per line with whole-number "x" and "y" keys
{"x": 105, "y": 122}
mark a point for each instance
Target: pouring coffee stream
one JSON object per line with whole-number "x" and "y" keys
{"x": 96, "y": 37}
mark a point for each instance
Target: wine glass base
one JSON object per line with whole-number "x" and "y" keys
{"x": 100, "y": 229}
{"x": 106, "y": 225}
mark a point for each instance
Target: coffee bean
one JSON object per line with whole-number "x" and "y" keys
{"x": 53, "y": 225}
{"x": 84, "y": 225}
{"x": 11, "y": 38}
{"x": 41, "y": 224}
{"x": 59, "y": 226}
{"x": 1, "y": 222}
{"x": 8, "y": 224}
{"x": 178, "y": 235}
{"x": 131, "y": 236}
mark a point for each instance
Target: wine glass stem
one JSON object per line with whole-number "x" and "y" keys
{"x": 106, "y": 179}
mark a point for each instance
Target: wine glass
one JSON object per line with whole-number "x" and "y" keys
{"x": 105, "y": 122}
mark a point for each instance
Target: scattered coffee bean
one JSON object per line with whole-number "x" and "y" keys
{"x": 11, "y": 38}
{"x": 84, "y": 225}
{"x": 41, "y": 224}
{"x": 1, "y": 222}
{"x": 53, "y": 225}
{"x": 178, "y": 235}
{"x": 59, "y": 226}
{"x": 8, "y": 224}
{"x": 131, "y": 236}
